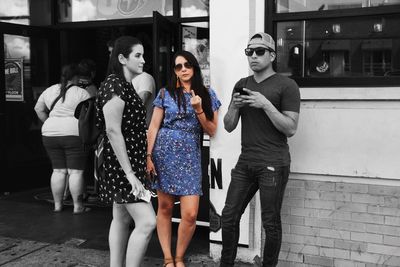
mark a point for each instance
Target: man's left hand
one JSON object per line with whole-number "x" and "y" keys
{"x": 255, "y": 99}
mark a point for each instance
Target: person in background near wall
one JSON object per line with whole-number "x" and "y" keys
{"x": 122, "y": 115}
{"x": 145, "y": 86}
{"x": 55, "y": 107}
{"x": 181, "y": 112}
{"x": 87, "y": 72}
{"x": 268, "y": 105}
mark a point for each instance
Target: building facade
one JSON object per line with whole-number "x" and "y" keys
{"x": 342, "y": 203}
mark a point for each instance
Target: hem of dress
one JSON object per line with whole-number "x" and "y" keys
{"x": 177, "y": 194}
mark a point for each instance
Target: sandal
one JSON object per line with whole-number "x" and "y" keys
{"x": 179, "y": 259}
{"x": 168, "y": 261}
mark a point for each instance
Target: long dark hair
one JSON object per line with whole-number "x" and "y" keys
{"x": 67, "y": 75}
{"x": 123, "y": 45}
{"x": 176, "y": 90}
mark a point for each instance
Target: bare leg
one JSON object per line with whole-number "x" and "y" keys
{"x": 76, "y": 188}
{"x": 118, "y": 235}
{"x": 145, "y": 222}
{"x": 189, "y": 210}
{"x": 66, "y": 190}
{"x": 164, "y": 216}
{"x": 57, "y": 184}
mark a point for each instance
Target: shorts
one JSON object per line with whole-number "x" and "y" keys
{"x": 65, "y": 152}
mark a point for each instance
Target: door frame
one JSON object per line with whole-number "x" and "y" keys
{"x": 53, "y": 75}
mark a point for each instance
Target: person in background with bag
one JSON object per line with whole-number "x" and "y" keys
{"x": 182, "y": 111}
{"x": 87, "y": 72}
{"x": 55, "y": 107}
{"x": 122, "y": 116}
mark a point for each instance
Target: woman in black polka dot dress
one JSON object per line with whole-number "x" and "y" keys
{"x": 121, "y": 113}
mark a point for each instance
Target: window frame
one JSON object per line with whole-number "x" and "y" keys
{"x": 272, "y": 18}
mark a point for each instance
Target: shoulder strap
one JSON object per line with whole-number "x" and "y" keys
{"x": 58, "y": 98}
{"x": 54, "y": 102}
{"x": 162, "y": 95}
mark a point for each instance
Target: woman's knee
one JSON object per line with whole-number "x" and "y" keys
{"x": 165, "y": 208}
{"x": 189, "y": 217}
{"x": 146, "y": 225}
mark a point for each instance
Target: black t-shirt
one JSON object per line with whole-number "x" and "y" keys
{"x": 262, "y": 143}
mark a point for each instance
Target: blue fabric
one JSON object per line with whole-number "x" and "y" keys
{"x": 177, "y": 150}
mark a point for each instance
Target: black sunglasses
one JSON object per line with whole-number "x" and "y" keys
{"x": 179, "y": 66}
{"x": 260, "y": 51}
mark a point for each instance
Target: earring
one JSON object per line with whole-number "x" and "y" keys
{"x": 178, "y": 82}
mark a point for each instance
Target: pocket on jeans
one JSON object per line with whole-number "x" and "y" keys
{"x": 268, "y": 176}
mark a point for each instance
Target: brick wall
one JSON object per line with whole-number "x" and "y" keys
{"x": 340, "y": 224}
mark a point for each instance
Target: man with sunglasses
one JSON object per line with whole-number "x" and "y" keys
{"x": 268, "y": 105}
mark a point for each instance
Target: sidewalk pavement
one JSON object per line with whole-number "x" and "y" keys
{"x": 32, "y": 235}
{"x": 18, "y": 253}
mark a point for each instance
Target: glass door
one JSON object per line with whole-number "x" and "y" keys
{"x": 29, "y": 66}
{"x": 165, "y": 43}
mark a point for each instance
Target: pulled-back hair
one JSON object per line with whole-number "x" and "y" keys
{"x": 123, "y": 45}
{"x": 176, "y": 90}
{"x": 67, "y": 75}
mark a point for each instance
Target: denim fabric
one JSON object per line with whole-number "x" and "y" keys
{"x": 246, "y": 180}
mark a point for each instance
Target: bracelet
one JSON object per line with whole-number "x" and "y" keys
{"x": 148, "y": 155}
{"x": 199, "y": 113}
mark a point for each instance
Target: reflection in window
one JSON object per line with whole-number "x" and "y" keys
{"x": 285, "y": 6}
{"x": 88, "y": 10}
{"x": 342, "y": 47}
{"x": 194, "y": 8}
{"x": 14, "y": 11}
{"x": 16, "y": 46}
{"x": 196, "y": 40}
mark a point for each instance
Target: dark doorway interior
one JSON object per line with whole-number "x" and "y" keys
{"x": 79, "y": 43}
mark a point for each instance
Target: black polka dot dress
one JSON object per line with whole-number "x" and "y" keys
{"x": 114, "y": 187}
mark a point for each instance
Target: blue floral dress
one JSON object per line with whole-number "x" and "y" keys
{"x": 177, "y": 150}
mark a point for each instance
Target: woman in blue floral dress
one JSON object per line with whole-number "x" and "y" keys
{"x": 182, "y": 111}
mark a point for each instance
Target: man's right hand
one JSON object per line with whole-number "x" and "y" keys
{"x": 238, "y": 101}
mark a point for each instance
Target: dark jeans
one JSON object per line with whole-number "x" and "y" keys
{"x": 246, "y": 180}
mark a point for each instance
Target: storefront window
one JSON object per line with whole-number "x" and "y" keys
{"x": 287, "y": 6}
{"x": 194, "y": 8}
{"x": 14, "y": 11}
{"x": 17, "y": 65}
{"x": 90, "y": 10}
{"x": 337, "y": 47}
{"x": 344, "y": 47}
{"x": 195, "y": 38}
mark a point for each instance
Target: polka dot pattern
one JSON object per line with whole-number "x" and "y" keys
{"x": 114, "y": 187}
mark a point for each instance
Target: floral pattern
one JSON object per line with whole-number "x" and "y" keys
{"x": 177, "y": 150}
{"x": 114, "y": 187}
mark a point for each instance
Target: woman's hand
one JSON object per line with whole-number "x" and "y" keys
{"x": 151, "y": 170}
{"x": 137, "y": 187}
{"x": 195, "y": 100}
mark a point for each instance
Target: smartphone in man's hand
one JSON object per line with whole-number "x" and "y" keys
{"x": 241, "y": 91}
